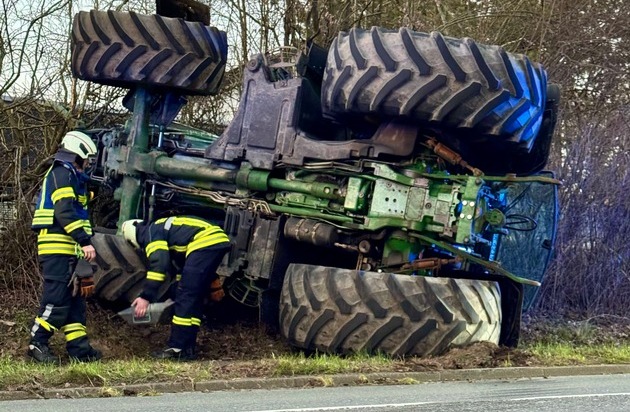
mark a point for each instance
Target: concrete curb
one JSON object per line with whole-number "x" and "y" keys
{"x": 320, "y": 380}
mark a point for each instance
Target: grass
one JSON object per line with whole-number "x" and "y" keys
{"x": 21, "y": 374}
{"x": 569, "y": 342}
{"x": 242, "y": 352}
{"x": 562, "y": 353}
{"x": 17, "y": 373}
{"x": 300, "y": 364}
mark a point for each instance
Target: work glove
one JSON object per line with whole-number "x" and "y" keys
{"x": 87, "y": 286}
{"x": 75, "y": 284}
{"x": 216, "y": 290}
{"x": 82, "y": 280}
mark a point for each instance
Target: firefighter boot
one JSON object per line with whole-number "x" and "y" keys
{"x": 40, "y": 352}
{"x": 180, "y": 355}
{"x": 89, "y": 355}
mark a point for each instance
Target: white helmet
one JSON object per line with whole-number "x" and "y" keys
{"x": 79, "y": 143}
{"x": 129, "y": 231}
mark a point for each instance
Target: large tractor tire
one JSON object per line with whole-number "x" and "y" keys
{"x": 442, "y": 82}
{"x": 342, "y": 311}
{"x": 496, "y": 159}
{"x": 119, "y": 272}
{"x": 126, "y": 49}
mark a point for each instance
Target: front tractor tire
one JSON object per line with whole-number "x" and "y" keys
{"x": 343, "y": 311}
{"x": 126, "y": 49}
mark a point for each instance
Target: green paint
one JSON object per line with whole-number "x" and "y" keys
{"x": 138, "y": 142}
{"x": 197, "y": 138}
{"x": 252, "y": 179}
{"x": 324, "y": 190}
{"x": 468, "y": 215}
{"x": 355, "y": 197}
{"x": 296, "y": 211}
{"x": 400, "y": 248}
{"x": 181, "y": 169}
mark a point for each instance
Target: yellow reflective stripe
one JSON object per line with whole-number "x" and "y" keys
{"x": 179, "y": 221}
{"x": 207, "y": 232}
{"x": 43, "y": 217}
{"x": 50, "y": 237}
{"x": 73, "y": 226}
{"x": 44, "y": 324}
{"x": 160, "y": 277}
{"x": 43, "y": 221}
{"x": 177, "y": 248}
{"x": 186, "y": 321}
{"x": 182, "y": 321}
{"x": 83, "y": 199}
{"x": 155, "y": 246}
{"x": 62, "y": 193}
{"x": 75, "y": 335}
{"x": 74, "y": 331}
{"x": 178, "y": 277}
{"x": 87, "y": 227}
{"x": 206, "y": 242}
{"x": 55, "y": 248}
{"x": 42, "y": 201}
{"x": 162, "y": 220}
{"x": 72, "y": 327}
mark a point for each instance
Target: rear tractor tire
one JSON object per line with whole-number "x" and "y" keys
{"x": 479, "y": 91}
{"x": 343, "y": 311}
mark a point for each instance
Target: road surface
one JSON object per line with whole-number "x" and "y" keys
{"x": 606, "y": 393}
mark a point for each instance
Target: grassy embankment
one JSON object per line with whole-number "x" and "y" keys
{"x": 574, "y": 344}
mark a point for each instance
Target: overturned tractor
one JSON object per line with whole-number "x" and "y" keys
{"x": 385, "y": 194}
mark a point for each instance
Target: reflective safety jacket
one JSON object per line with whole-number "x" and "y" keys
{"x": 168, "y": 241}
{"x": 61, "y": 214}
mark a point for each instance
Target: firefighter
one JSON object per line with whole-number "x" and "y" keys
{"x": 193, "y": 244}
{"x": 64, "y": 235}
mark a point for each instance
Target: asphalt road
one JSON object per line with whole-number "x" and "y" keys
{"x": 607, "y": 393}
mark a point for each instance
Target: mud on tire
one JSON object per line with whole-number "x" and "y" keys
{"x": 125, "y": 49}
{"x": 436, "y": 80}
{"x": 340, "y": 311}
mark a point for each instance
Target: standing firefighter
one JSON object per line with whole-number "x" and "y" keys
{"x": 186, "y": 242}
{"x": 64, "y": 236}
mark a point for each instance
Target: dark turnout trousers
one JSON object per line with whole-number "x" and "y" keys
{"x": 198, "y": 272}
{"x": 59, "y": 310}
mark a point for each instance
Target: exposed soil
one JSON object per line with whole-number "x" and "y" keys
{"x": 217, "y": 340}
{"x": 236, "y": 345}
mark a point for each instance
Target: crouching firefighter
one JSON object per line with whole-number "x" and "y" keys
{"x": 64, "y": 236}
{"x": 193, "y": 244}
